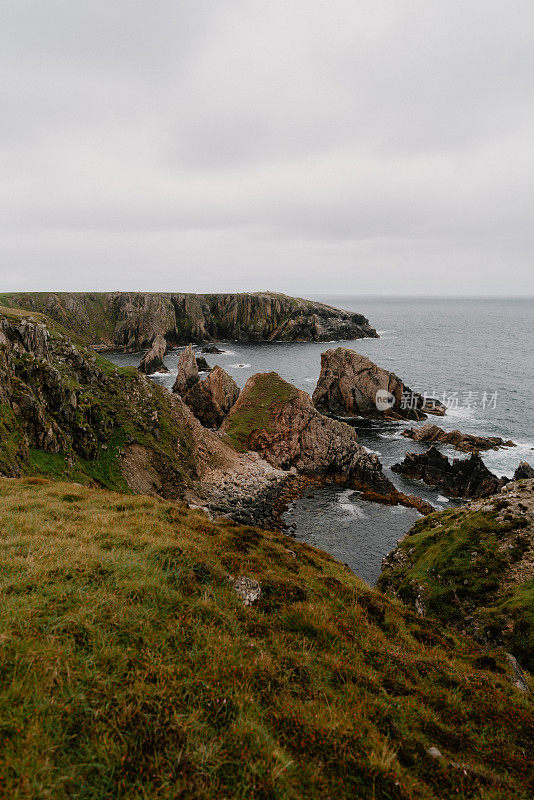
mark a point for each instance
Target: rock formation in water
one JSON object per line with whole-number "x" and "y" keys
{"x": 210, "y": 400}
{"x": 351, "y": 385}
{"x": 465, "y": 442}
{"x": 279, "y": 421}
{"x": 464, "y": 478}
{"x": 187, "y": 374}
{"x": 152, "y": 361}
{"x": 524, "y": 470}
{"x": 211, "y": 349}
{"x": 202, "y": 364}
{"x": 130, "y": 320}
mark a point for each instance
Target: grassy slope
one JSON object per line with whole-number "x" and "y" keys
{"x": 131, "y": 669}
{"x": 456, "y": 558}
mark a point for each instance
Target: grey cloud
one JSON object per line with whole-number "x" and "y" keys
{"x": 244, "y": 144}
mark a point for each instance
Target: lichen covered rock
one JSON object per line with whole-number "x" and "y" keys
{"x": 279, "y": 421}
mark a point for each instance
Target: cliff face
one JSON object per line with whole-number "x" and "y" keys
{"x": 131, "y": 320}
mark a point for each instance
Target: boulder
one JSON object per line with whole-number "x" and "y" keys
{"x": 464, "y": 478}
{"x": 465, "y": 442}
{"x": 212, "y": 349}
{"x": 351, "y": 385}
{"x": 152, "y": 361}
{"x": 187, "y": 374}
{"x": 524, "y": 470}
{"x": 280, "y": 422}
{"x": 202, "y": 364}
{"x": 210, "y": 400}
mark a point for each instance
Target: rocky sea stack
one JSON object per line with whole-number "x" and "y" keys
{"x": 351, "y": 385}
{"x": 152, "y": 361}
{"x": 210, "y": 400}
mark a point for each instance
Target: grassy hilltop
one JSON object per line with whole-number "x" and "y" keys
{"x": 130, "y": 668}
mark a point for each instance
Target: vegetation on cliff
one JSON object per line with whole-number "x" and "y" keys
{"x": 67, "y": 412}
{"x": 132, "y": 319}
{"x": 472, "y": 567}
{"x": 132, "y": 669}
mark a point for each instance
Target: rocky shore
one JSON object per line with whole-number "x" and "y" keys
{"x": 465, "y": 442}
{"x": 463, "y": 478}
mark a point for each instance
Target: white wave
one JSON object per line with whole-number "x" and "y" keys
{"x": 442, "y": 499}
{"x": 348, "y": 507}
{"x": 224, "y": 353}
{"x": 373, "y": 452}
{"x": 239, "y": 366}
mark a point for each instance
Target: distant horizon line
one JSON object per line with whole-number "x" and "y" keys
{"x": 289, "y": 293}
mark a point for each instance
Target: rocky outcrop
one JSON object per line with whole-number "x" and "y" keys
{"x": 187, "y": 374}
{"x": 279, "y": 421}
{"x": 152, "y": 361}
{"x": 471, "y": 567}
{"x": 130, "y": 320}
{"x": 210, "y": 400}
{"x": 211, "y": 349}
{"x": 202, "y": 364}
{"x": 351, "y": 385}
{"x": 465, "y": 442}
{"x": 464, "y": 478}
{"x": 523, "y": 471}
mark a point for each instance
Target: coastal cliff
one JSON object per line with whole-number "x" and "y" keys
{"x": 131, "y": 320}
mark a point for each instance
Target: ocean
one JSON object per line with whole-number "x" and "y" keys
{"x": 475, "y": 354}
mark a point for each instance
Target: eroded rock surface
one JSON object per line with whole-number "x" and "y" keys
{"x": 465, "y": 442}
{"x": 351, "y": 385}
{"x": 210, "y": 400}
{"x": 152, "y": 361}
{"x": 130, "y": 320}
{"x": 463, "y": 478}
{"x": 187, "y": 374}
{"x": 280, "y": 422}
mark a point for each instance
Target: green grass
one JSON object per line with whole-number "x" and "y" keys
{"x": 253, "y": 416}
{"x": 455, "y": 557}
{"x": 131, "y": 669}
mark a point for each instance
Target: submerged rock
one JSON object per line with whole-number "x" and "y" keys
{"x": 352, "y": 385}
{"x": 280, "y": 422}
{"x": 152, "y": 361}
{"x": 212, "y": 349}
{"x": 465, "y": 478}
{"x": 210, "y": 400}
{"x": 187, "y": 374}
{"x": 465, "y": 442}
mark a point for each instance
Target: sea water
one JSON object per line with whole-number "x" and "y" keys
{"x": 477, "y": 354}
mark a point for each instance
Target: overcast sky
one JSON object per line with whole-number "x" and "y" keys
{"x": 304, "y": 146}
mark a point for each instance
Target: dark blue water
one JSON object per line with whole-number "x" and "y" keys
{"x": 477, "y": 354}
